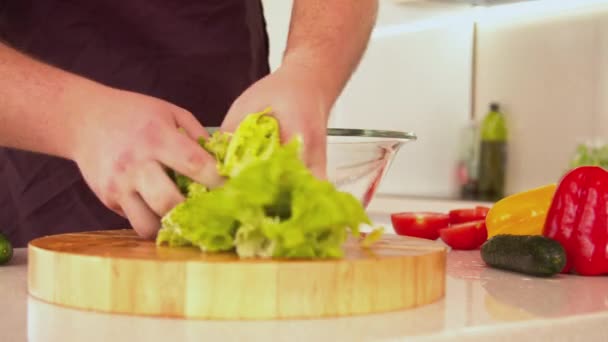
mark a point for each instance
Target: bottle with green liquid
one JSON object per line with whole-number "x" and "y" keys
{"x": 492, "y": 155}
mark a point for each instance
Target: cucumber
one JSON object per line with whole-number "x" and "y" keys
{"x": 6, "y": 250}
{"x": 535, "y": 255}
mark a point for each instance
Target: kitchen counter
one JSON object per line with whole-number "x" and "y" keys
{"x": 480, "y": 304}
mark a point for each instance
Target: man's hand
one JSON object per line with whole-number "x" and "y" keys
{"x": 124, "y": 144}
{"x": 326, "y": 41}
{"x": 298, "y": 104}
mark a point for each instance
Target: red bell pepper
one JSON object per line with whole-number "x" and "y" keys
{"x": 578, "y": 219}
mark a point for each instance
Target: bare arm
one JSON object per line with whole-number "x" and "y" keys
{"x": 326, "y": 41}
{"x": 329, "y": 38}
{"x": 120, "y": 140}
{"x": 37, "y": 104}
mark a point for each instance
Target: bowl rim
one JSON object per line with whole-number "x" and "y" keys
{"x": 371, "y": 133}
{"x": 359, "y": 133}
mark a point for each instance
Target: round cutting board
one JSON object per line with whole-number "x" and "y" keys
{"x": 116, "y": 271}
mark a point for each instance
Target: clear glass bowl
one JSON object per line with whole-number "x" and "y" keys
{"x": 357, "y": 160}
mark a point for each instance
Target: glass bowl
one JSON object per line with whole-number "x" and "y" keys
{"x": 357, "y": 160}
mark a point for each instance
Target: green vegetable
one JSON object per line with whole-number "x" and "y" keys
{"x": 270, "y": 205}
{"x": 590, "y": 155}
{"x": 256, "y": 138}
{"x": 372, "y": 237}
{"x": 6, "y": 250}
{"x": 529, "y": 254}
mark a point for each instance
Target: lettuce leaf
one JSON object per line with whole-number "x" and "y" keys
{"x": 270, "y": 205}
{"x": 256, "y": 138}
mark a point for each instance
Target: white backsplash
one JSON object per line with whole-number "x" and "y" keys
{"x": 415, "y": 76}
{"x": 602, "y": 90}
{"x": 418, "y": 82}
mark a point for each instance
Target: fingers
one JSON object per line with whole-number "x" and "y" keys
{"x": 237, "y": 113}
{"x": 149, "y": 194}
{"x": 185, "y": 156}
{"x": 189, "y": 123}
{"x": 314, "y": 147}
{"x": 156, "y": 188}
{"x": 141, "y": 217}
{"x": 118, "y": 211}
{"x": 315, "y": 141}
{"x": 315, "y": 154}
{"x": 317, "y": 162}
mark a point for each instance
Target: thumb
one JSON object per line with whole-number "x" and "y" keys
{"x": 319, "y": 171}
{"x": 315, "y": 155}
{"x": 208, "y": 175}
{"x": 237, "y": 112}
{"x": 314, "y": 141}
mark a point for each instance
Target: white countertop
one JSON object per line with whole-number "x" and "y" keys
{"x": 480, "y": 303}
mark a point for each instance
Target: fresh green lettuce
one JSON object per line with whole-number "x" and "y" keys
{"x": 269, "y": 206}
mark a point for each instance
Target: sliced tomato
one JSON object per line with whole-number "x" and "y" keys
{"x": 424, "y": 225}
{"x": 468, "y": 214}
{"x": 466, "y": 236}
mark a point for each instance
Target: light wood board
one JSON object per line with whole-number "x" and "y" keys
{"x": 116, "y": 271}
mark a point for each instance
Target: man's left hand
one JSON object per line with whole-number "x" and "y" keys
{"x": 298, "y": 104}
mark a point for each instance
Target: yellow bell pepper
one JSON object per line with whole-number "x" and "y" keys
{"x": 521, "y": 214}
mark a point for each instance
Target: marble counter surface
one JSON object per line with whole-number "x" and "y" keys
{"x": 480, "y": 304}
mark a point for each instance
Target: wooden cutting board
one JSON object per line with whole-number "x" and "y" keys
{"x": 116, "y": 271}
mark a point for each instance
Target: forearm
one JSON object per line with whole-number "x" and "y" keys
{"x": 37, "y": 104}
{"x": 329, "y": 38}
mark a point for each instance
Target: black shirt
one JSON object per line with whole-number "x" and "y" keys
{"x": 197, "y": 54}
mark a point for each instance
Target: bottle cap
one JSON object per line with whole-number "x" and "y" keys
{"x": 495, "y": 107}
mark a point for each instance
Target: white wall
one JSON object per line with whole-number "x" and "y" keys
{"x": 278, "y": 15}
{"x": 550, "y": 70}
{"x": 602, "y": 90}
{"x": 419, "y": 82}
{"x": 415, "y": 76}
{"x": 545, "y": 62}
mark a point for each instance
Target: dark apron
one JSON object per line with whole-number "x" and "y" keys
{"x": 197, "y": 54}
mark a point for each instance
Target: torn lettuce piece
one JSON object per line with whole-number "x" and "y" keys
{"x": 372, "y": 237}
{"x": 216, "y": 145}
{"x": 170, "y": 235}
{"x": 256, "y": 138}
{"x": 270, "y": 205}
{"x": 203, "y": 221}
{"x": 319, "y": 222}
{"x": 250, "y": 242}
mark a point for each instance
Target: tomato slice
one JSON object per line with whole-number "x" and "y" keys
{"x": 468, "y": 214}
{"x": 424, "y": 225}
{"x": 465, "y": 236}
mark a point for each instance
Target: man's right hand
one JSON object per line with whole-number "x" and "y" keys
{"x": 124, "y": 142}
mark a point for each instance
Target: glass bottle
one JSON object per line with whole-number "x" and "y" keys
{"x": 492, "y": 155}
{"x": 467, "y": 166}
